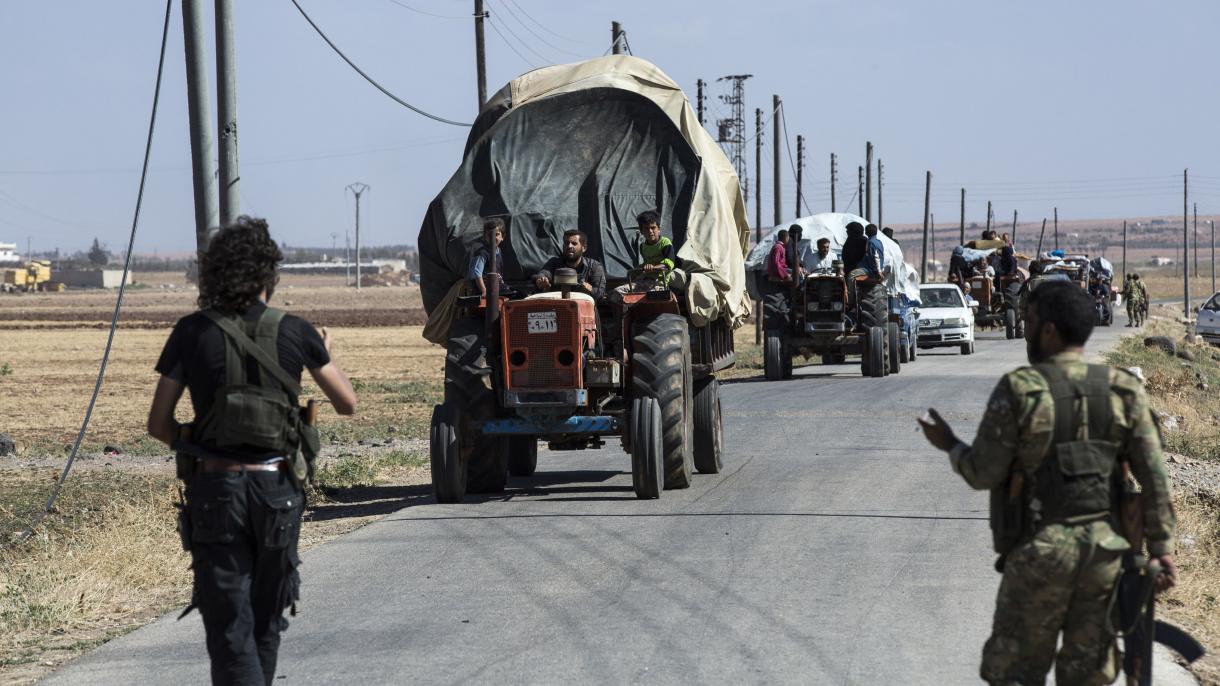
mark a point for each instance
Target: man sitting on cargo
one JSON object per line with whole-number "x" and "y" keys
{"x": 657, "y": 258}
{"x": 777, "y": 261}
{"x": 482, "y": 258}
{"x": 854, "y": 247}
{"x": 590, "y": 274}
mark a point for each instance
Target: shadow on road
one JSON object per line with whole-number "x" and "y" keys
{"x": 611, "y": 515}
{"x": 362, "y": 501}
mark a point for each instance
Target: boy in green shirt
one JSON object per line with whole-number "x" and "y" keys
{"x": 657, "y": 258}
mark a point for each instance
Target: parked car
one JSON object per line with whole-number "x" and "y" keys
{"x": 1208, "y": 323}
{"x": 946, "y": 319}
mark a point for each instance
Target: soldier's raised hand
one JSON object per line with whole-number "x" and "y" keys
{"x": 937, "y": 430}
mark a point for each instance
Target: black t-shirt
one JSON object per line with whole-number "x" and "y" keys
{"x": 195, "y": 354}
{"x": 853, "y": 252}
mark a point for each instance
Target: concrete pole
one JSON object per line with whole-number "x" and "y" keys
{"x": 1014, "y": 230}
{"x": 226, "y": 110}
{"x": 860, "y": 191}
{"x": 699, "y": 100}
{"x": 480, "y": 52}
{"x": 988, "y": 227}
{"x": 1038, "y": 252}
{"x": 778, "y": 200}
{"x": 1195, "y": 249}
{"x": 1213, "y": 223}
{"x": 834, "y": 179}
{"x": 1185, "y": 245}
{"x": 927, "y": 204}
{"x": 203, "y": 151}
{"x": 800, "y": 173}
{"x": 758, "y": 129}
{"x": 358, "y": 190}
{"x": 616, "y": 46}
{"x": 880, "y": 185}
{"x": 1124, "y": 252}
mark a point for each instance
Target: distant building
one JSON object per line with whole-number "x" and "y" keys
{"x": 90, "y": 278}
{"x": 8, "y": 253}
{"x": 1161, "y": 261}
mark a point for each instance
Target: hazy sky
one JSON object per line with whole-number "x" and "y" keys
{"x": 1093, "y": 106}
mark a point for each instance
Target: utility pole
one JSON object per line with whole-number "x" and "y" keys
{"x": 203, "y": 152}
{"x": 834, "y": 179}
{"x": 226, "y": 109}
{"x": 699, "y": 99}
{"x": 1195, "y": 249}
{"x": 1038, "y": 252}
{"x": 1056, "y": 228}
{"x": 480, "y": 52}
{"x": 860, "y": 191}
{"x": 775, "y": 103}
{"x": 733, "y": 130}
{"x": 800, "y": 173}
{"x": 1014, "y": 230}
{"x": 868, "y": 180}
{"x": 1213, "y": 223}
{"x": 347, "y": 258}
{"x": 962, "y": 237}
{"x": 1185, "y": 245}
{"x": 988, "y": 227}
{"x": 927, "y": 204}
{"x": 880, "y": 186}
{"x": 758, "y": 132}
{"x": 616, "y": 46}
{"x": 1124, "y": 251}
{"x": 932, "y": 223}
{"x": 358, "y": 190}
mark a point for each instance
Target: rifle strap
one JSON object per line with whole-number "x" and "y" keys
{"x": 266, "y": 329}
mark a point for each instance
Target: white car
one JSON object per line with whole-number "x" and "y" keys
{"x": 945, "y": 318}
{"x": 1208, "y": 323}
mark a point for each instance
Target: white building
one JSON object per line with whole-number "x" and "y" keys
{"x": 8, "y": 253}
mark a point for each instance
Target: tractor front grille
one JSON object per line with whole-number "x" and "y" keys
{"x": 542, "y": 344}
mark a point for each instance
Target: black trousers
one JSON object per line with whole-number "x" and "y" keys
{"x": 244, "y": 529}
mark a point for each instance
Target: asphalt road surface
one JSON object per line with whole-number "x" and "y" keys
{"x": 837, "y": 547}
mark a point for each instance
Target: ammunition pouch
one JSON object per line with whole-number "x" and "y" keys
{"x": 1010, "y": 516}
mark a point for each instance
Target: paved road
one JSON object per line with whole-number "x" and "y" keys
{"x": 836, "y": 548}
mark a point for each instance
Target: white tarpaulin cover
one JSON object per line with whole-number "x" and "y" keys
{"x": 588, "y": 146}
{"x": 833, "y": 225}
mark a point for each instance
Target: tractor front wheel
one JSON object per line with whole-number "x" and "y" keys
{"x": 448, "y": 468}
{"x": 773, "y": 355}
{"x": 709, "y": 428}
{"x": 661, "y": 369}
{"x": 1010, "y": 323}
{"x": 522, "y": 455}
{"x": 647, "y": 471}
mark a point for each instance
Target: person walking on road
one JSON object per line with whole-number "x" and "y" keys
{"x": 248, "y": 451}
{"x": 1136, "y": 297}
{"x": 1050, "y": 448}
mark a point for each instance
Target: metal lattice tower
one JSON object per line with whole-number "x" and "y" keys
{"x": 733, "y": 130}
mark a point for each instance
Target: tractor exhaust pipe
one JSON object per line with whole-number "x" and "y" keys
{"x": 492, "y": 282}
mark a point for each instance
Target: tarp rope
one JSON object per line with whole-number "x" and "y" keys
{"x": 118, "y": 303}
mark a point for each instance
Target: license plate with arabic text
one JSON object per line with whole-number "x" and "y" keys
{"x": 542, "y": 322}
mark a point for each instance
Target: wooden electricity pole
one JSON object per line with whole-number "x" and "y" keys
{"x": 927, "y": 205}
{"x": 758, "y": 131}
{"x": 775, "y": 102}
{"x": 616, "y": 45}
{"x": 1038, "y": 252}
{"x": 1124, "y": 251}
{"x": 860, "y": 191}
{"x": 1014, "y": 230}
{"x": 988, "y": 226}
{"x": 868, "y": 180}
{"x": 1213, "y": 223}
{"x": 880, "y": 185}
{"x": 1195, "y": 249}
{"x": 699, "y": 100}
{"x": 1185, "y": 245}
{"x": 800, "y": 173}
{"x": 962, "y": 238}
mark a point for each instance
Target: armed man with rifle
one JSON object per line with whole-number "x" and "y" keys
{"x": 249, "y": 450}
{"x": 1054, "y": 447}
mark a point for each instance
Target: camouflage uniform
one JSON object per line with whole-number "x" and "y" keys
{"x": 1135, "y": 295}
{"x": 1059, "y": 578}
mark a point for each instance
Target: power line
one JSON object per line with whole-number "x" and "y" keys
{"x": 528, "y": 46}
{"x": 787, "y": 143}
{"x": 509, "y": 43}
{"x": 44, "y": 215}
{"x": 535, "y": 33}
{"x": 368, "y": 78}
{"x": 118, "y": 303}
{"x": 405, "y": 6}
{"x": 544, "y": 27}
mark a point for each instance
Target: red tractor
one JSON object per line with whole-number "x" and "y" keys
{"x": 520, "y": 370}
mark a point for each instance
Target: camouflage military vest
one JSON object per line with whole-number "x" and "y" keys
{"x": 1077, "y": 479}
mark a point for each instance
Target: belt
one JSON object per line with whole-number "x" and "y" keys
{"x": 220, "y": 464}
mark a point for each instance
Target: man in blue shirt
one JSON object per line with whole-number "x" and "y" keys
{"x": 874, "y": 255}
{"x": 482, "y": 260}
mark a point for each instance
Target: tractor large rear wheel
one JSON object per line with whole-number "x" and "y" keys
{"x": 874, "y": 304}
{"x": 448, "y": 468}
{"x": 661, "y": 369}
{"x": 709, "y": 429}
{"x": 647, "y": 470}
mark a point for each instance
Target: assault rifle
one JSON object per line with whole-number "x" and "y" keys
{"x": 1136, "y": 591}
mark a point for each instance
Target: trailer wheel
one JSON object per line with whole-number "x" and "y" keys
{"x": 1010, "y": 323}
{"x": 522, "y": 455}
{"x": 773, "y": 355}
{"x": 661, "y": 369}
{"x": 448, "y": 469}
{"x": 873, "y": 359}
{"x": 647, "y": 472}
{"x": 893, "y": 347}
{"x": 709, "y": 428}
